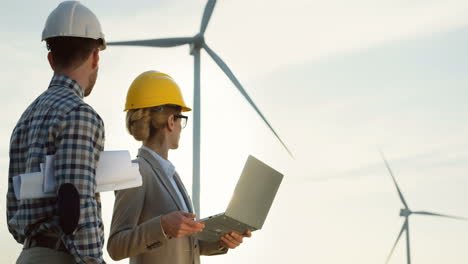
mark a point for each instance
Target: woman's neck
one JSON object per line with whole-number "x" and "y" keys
{"x": 158, "y": 146}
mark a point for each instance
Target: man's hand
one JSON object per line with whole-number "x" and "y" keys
{"x": 179, "y": 224}
{"x": 233, "y": 239}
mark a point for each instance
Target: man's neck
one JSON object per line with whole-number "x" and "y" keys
{"x": 76, "y": 75}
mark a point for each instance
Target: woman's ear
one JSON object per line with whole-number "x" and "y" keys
{"x": 170, "y": 123}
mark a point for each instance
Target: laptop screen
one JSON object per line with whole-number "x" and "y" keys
{"x": 254, "y": 193}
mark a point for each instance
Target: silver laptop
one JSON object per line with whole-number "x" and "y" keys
{"x": 249, "y": 205}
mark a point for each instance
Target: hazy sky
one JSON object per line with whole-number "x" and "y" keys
{"x": 336, "y": 79}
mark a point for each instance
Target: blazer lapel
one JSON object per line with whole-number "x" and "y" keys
{"x": 188, "y": 202}
{"x": 182, "y": 189}
{"x": 161, "y": 176}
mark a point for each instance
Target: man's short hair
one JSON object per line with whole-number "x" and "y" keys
{"x": 71, "y": 52}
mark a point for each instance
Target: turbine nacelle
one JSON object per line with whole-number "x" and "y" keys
{"x": 197, "y": 43}
{"x": 405, "y": 212}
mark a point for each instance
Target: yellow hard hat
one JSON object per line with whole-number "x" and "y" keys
{"x": 154, "y": 88}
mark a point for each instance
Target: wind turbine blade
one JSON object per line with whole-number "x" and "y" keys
{"x": 394, "y": 180}
{"x": 207, "y": 15}
{"x": 441, "y": 215}
{"x": 408, "y": 248}
{"x": 233, "y": 78}
{"x": 403, "y": 228}
{"x": 164, "y": 43}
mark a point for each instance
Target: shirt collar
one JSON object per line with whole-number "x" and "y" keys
{"x": 166, "y": 165}
{"x": 65, "y": 81}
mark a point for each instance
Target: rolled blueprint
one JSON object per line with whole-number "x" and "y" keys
{"x": 115, "y": 171}
{"x": 129, "y": 182}
{"x": 114, "y": 167}
{"x": 29, "y": 186}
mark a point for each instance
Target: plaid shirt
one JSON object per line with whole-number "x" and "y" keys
{"x": 59, "y": 122}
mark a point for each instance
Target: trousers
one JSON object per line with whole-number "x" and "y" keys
{"x": 37, "y": 255}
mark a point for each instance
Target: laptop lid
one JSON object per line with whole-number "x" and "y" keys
{"x": 254, "y": 193}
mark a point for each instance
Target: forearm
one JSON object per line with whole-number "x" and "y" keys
{"x": 87, "y": 241}
{"x": 81, "y": 137}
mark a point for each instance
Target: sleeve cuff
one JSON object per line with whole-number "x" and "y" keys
{"x": 162, "y": 229}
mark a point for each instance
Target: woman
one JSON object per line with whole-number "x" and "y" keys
{"x": 154, "y": 223}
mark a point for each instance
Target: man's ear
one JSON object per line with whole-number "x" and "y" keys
{"x": 95, "y": 59}
{"x": 51, "y": 60}
{"x": 170, "y": 122}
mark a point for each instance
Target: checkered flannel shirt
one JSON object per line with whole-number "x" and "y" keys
{"x": 59, "y": 122}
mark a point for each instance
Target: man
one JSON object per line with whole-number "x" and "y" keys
{"x": 68, "y": 228}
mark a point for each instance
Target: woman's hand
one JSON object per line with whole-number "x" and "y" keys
{"x": 179, "y": 224}
{"x": 233, "y": 239}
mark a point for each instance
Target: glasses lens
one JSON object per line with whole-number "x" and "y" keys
{"x": 183, "y": 120}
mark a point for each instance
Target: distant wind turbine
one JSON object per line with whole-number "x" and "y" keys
{"x": 197, "y": 42}
{"x": 406, "y": 212}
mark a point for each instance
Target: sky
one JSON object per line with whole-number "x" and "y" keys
{"x": 338, "y": 80}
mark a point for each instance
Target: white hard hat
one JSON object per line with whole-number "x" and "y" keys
{"x": 72, "y": 19}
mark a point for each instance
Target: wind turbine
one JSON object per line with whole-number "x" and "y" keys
{"x": 197, "y": 43}
{"x": 406, "y": 212}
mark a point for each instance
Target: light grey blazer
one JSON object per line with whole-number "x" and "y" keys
{"x": 136, "y": 230}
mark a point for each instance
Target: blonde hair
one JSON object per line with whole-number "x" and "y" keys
{"x": 144, "y": 123}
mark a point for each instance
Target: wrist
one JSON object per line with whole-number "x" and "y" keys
{"x": 221, "y": 247}
{"x": 162, "y": 223}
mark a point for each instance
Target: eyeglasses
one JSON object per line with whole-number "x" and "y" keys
{"x": 183, "y": 121}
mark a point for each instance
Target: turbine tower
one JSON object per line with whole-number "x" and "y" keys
{"x": 406, "y": 212}
{"x": 197, "y": 43}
